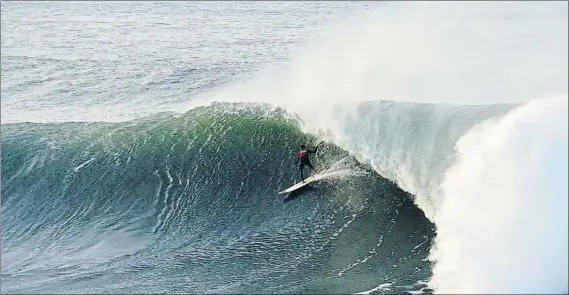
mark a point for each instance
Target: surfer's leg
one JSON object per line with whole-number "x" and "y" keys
{"x": 312, "y": 169}
{"x": 301, "y": 168}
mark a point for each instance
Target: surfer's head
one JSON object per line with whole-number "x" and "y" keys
{"x": 302, "y": 147}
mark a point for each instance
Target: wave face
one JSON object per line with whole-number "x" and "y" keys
{"x": 188, "y": 203}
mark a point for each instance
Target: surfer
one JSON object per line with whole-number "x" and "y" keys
{"x": 303, "y": 158}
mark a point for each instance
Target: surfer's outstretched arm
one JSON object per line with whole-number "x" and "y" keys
{"x": 315, "y": 148}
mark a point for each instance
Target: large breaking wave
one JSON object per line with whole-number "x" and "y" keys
{"x": 193, "y": 196}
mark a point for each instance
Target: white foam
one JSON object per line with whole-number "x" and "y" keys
{"x": 502, "y": 227}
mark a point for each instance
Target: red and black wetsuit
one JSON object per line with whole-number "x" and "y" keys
{"x": 302, "y": 156}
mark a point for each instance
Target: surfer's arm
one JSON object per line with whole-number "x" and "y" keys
{"x": 315, "y": 148}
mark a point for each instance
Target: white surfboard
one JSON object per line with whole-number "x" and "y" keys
{"x": 302, "y": 183}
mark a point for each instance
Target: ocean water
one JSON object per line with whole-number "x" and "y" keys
{"x": 144, "y": 143}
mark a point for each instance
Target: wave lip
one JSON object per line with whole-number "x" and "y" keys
{"x": 502, "y": 227}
